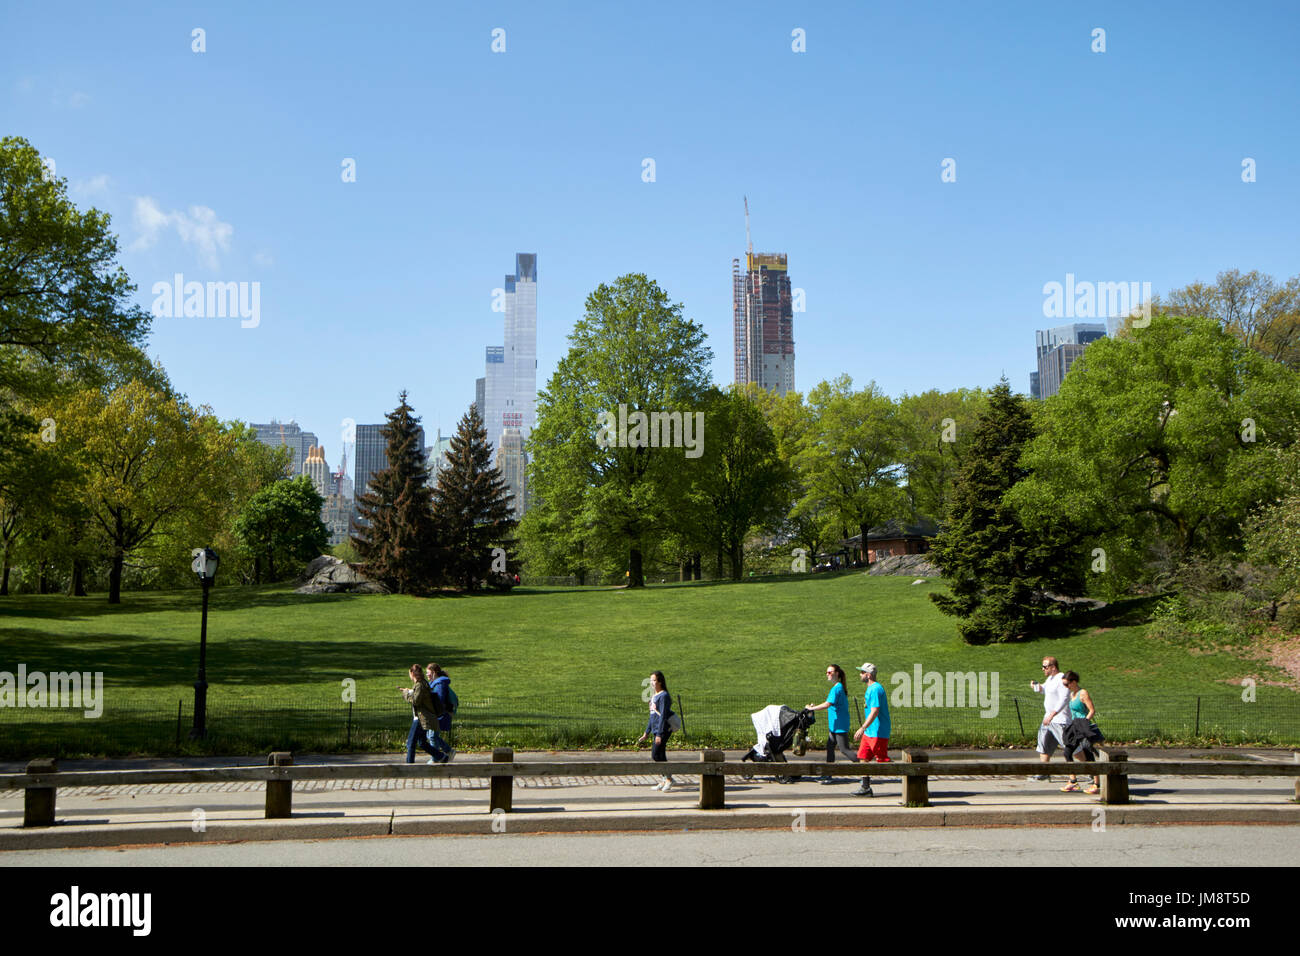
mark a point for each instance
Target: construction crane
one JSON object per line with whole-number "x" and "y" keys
{"x": 749, "y": 246}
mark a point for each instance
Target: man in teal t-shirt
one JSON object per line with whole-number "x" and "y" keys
{"x": 874, "y": 732}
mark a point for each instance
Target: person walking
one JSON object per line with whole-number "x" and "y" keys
{"x": 440, "y": 687}
{"x": 874, "y": 732}
{"x": 424, "y": 717}
{"x": 1080, "y": 732}
{"x": 837, "y": 720}
{"x": 661, "y": 712}
{"x": 1056, "y": 708}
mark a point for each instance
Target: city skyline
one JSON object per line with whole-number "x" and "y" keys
{"x": 925, "y": 193}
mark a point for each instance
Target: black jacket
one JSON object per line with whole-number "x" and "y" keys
{"x": 1080, "y": 735}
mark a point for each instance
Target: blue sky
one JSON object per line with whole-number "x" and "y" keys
{"x": 226, "y": 166}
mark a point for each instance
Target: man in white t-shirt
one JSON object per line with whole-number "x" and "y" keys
{"x": 1056, "y": 707}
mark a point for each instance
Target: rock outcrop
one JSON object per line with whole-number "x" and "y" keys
{"x": 328, "y": 575}
{"x": 913, "y": 565}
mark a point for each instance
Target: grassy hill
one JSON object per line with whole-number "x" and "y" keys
{"x": 565, "y": 666}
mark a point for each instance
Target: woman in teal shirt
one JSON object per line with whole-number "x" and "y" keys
{"x": 1080, "y": 706}
{"x": 837, "y": 721}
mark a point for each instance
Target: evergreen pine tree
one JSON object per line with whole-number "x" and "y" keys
{"x": 997, "y": 569}
{"x": 471, "y": 505}
{"x": 396, "y": 537}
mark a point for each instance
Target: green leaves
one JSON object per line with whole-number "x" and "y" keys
{"x": 600, "y": 508}
{"x": 1162, "y": 432}
{"x": 998, "y": 568}
{"x": 471, "y": 505}
{"x": 395, "y": 533}
{"x": 281, "y": 525}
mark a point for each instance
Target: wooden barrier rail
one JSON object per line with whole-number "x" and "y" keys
{"x": 43, "y": 779}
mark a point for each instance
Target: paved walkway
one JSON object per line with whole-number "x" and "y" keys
{"x": 166, "y": 813}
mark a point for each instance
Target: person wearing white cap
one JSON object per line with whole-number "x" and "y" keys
{"x": 874, "y": 732}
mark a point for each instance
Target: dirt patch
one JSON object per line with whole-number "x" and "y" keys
{"x": 1283, "y": 652}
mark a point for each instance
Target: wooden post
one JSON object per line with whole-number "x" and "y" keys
{"x": 1114, "y": 786}
{"x": 503, "y": 788}
{"x": 279, "y": 793}
{"x": 712, "y": 783}
{"x": 916, "y": 789}
{"x": 38, "y": 802}
{"x": 1295, "y": 754}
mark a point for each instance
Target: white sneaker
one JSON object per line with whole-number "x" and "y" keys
{"x": 658, "y": 785}
{"x": 666, "y": 786}
{"x": 431, "y": 760}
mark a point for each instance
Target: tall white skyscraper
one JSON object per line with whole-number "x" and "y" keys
{"x": 510, "y": 370}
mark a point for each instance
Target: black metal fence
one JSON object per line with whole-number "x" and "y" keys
{"x": 238, "y": 725}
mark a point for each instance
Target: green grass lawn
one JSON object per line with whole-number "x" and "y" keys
{"x": 564, "y": 667}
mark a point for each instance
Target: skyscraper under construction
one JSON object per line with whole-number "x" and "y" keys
{"x": 763, "y": 319}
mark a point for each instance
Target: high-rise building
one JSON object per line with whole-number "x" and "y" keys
{"x": 435, "y": 455}
{"x": 514, "y": 468}
{"x": 508, "y": 397}
{"x": 1057, "y": 349}
{"x": 314, "y": 467}
{"x": 372, "y": 454}
{"x": 763, "y": 319}
{"x": 288, "y": 435}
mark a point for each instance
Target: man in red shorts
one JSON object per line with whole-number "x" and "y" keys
{"x": 874, "y": 732}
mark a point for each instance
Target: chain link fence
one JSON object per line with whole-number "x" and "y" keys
{"x": 239, "y": 726}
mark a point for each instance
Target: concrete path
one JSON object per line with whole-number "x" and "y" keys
{"x": 189, "y": 813}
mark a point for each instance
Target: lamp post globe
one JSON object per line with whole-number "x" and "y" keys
{"x": 205, "y": 566}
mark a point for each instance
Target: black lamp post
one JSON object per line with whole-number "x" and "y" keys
{"x": 205, "y": 566}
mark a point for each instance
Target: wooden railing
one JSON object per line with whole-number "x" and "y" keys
{"x": 42, "y": 779}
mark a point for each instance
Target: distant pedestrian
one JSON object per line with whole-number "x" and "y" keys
{"x": 440, "y": 687}
{"x": 1056, "y": 710}
{"x": 1081, "y": 733}
{"x": 661, "y": 713}
{"x": 874, "y": 732}
{"x": 837, "y": 720}
{"x": 424, "y": 718}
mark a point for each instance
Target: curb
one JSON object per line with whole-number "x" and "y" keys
{"x": 311, "y": 827}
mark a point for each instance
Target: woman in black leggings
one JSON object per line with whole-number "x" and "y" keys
{"x": 837, "y": 721}
{"x": 660, "y": 711}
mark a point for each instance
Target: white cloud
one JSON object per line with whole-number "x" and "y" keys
{"x": 77, "y": 99}
{"x": 263, "y": 259}
{"x": 199, "y": 228}
{"x": 94, "y": 186}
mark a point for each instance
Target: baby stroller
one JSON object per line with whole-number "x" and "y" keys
{"x": 779, "y": 728}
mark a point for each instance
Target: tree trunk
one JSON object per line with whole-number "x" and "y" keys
{"x": 43, "y": 580}
{"x": 717, "y": 575}
{"x": 78, "y": 587}
{"x": 696, "y": 570}
{"x": 257, "y": 569}
{"x": 684, "y": 569}
{"x": 4, "y": 580}
{"x": 863, "y": 528}
{"x": 115, "y": 577}
{"x": 582, "y": 577}
{"x": 636, "y": 574}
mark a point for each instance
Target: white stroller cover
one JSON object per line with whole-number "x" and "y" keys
{"x": 766, "y": 721}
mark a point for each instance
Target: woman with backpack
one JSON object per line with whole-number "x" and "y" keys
{"x": 425, "y": 711}
{"x": 440, "y": 687}
{"x": 659, "y": 725}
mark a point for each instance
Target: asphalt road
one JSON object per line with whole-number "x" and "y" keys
{"x": 1172, "y": 846}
